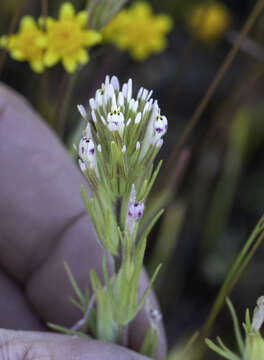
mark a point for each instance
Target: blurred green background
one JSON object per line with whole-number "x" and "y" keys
{"x": 219, "y": 196}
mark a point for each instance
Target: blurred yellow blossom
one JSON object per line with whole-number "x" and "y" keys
{"x": 68, "y": 37}
{"x": 27, "y": 44}
{"x": 138, "y": 30}
{"x": 209, "y": 21}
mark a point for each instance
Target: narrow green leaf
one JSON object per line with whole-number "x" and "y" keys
{"x": 148, "y": 347}
{"x": 219, "y": 350}
{"x": 225, "y": 348}
{"x": 152, "y": 223}
{"x": 96, "y": 284}
{"x": 77, "y": 304}
{"x": 248, "y": 321}
{"x": 140, "y": 303}
{"x": 106, "y": 278}
{"x": 236, "y": 326}
{"x": 190, "y": 343}
{"x": 139, "y": 256}
{"x": 64, "y": 330}
{"x": 74, "y": 284}
{"x": 154, "y": 176}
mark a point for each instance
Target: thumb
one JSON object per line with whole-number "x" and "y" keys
{"x": 16, "y": 345}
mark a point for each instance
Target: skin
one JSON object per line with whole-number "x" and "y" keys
{"x": 42, "y": 224}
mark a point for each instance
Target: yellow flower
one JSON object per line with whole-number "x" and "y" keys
{"x": 138, "y": 30}
{"x": 27, "y": 44}
{"x": 209, "y": 21}
{"x": 67, "y": 38}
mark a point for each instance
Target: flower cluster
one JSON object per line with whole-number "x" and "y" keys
{"x": 209, "y": 21}
{"x": 48, "y": 41}
{"x": 138, "y": 31}
{"x": 122, "y": 137}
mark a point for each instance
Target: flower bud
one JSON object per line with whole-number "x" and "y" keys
{"x": 160, "y": 126}
{"x": 258, "y": 317}
{"x": 87, "y": 151}
{"x": 115, "y": 121}
{"x": 134, "y": 211}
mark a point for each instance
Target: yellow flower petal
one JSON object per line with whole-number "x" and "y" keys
{"x": 69, "y": 64}
{"x": 27, "y": 23}
{"x": 141, "y": 9}
{"x": 3, "y": 41}
{"x": 164, "y": 23}
{"x": 48, "y": 22}
{"x": 50, "y": 58}
{"x": 209, "y": 22}
{"x": 159, "y": 44}
{"x": 92, "y": 37}
{"x": 82, "y": 17}
{"x": 139, "y": 53}
{"x": 66, "y": 11}
{"x": 42, "y": 41}
{"x": 37, "y": 65}
{"x": 11, "y": 41}
{"x": 17, "y": 55}
{"x": 138, "y": 30}
{"x": 83, "y": 56}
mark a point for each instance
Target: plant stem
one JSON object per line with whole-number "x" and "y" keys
{"x": 43, "y": 93}
{"x": 123, "y": 336}
{"x": 83, "y": 321}
{"x": 232, "y": 278}
{"x": 65, "y": 91}
{"x": 213, "y": 86}
{"x": 44, "y": 11}
{"x": 11, "y": 29}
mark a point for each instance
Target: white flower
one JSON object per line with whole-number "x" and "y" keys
{"x": 82, "y": 111}
{"x": 150, "y": 137}
{"x": 144, "y": 94}
{"x": 258, "y": 317}
{"x": 160, "y": 126}
{"x": 115, "y": 120}
{"x": 127, "y": 90}
{"x": 82, "y": 165}
{"x": 87, "y": 131}
{"x": 115, "y": 83}
{"x": 87, "y": 152}
{"x": 136, "y": 118}
{"x": 134, "y": 211}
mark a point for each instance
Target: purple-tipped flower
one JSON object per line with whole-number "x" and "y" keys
{"x": 134, "y": 123}
{"x": 134, "y": 211}
{"x": 160, "y": 126}
{"x": 87, "y": 152}
{"x": 115, "y": 120}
